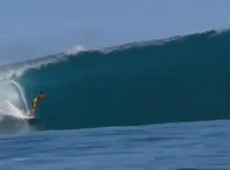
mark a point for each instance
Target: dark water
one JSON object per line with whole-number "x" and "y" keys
{"x": 177, "y": 146}
{"x": 186, "y": 79}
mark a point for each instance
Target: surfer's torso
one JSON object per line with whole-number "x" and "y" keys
{"x": 38, "y": 99}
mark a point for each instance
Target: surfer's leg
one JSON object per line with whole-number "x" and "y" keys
{"x": 34, "y": 106}
{"x": 30, "y": 113}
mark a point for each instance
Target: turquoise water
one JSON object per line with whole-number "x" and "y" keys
{"x": 183, "y": 79}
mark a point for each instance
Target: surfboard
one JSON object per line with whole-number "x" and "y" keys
{"x": 32, "y": 120}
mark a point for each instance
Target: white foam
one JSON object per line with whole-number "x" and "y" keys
{"x": 22, "y": 94}
{"x": 13, "y": 108}
{"x": 16, "y": 70}
{"x": 12, "y": 71}
{"x": 75, "y": 50}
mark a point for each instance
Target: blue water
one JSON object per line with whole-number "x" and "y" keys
{"x": 103, "y": 108}
{"x": 172, "y": 146}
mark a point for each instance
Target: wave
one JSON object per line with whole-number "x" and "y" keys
{"x": 178, "y": 79}
{"x": 13, "y": 108}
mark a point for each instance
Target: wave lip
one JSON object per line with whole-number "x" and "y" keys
{"x": 75, "y": 50}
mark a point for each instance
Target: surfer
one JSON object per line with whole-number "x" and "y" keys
{"x": 35, "y": 103}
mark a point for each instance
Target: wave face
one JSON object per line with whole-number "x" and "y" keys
{"x": 183, "y": 79}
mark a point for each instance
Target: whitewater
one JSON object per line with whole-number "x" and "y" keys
{"x": 148, "y": 105}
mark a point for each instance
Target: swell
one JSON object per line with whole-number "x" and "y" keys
{"x": 185, "y": 79}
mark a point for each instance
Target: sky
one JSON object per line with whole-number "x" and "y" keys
{"x": 36, "y": 28}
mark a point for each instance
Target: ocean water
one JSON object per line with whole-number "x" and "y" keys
{"x": 121, "y": 107}
{"x": 171, "y": 146}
